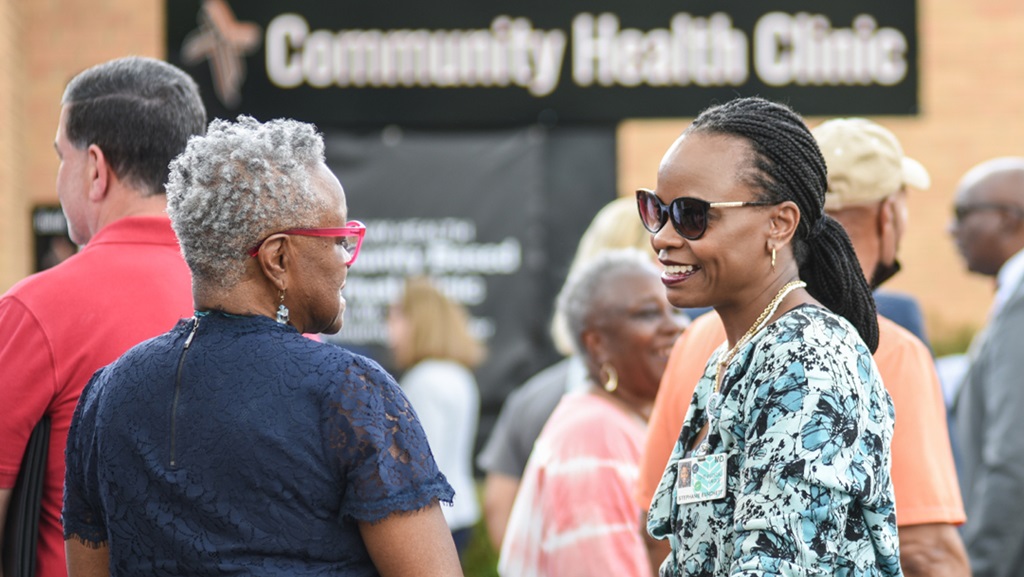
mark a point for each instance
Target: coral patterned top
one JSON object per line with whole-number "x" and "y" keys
{"x": 574, "y": 514}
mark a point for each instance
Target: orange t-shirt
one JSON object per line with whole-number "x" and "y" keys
{"x": 923, "y": 475}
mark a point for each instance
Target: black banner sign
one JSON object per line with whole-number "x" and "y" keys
{"x": 50, "y": 233}
{"x": 469, "y": 63}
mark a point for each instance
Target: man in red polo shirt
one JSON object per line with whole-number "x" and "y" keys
{"x": 121, "y": 123}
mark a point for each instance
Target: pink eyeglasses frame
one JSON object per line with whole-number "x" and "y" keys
{"x": 351, "y": 228}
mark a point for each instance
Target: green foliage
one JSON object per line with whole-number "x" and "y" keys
{"x": 953, "y": 342}
{"x": 479, "y": 558}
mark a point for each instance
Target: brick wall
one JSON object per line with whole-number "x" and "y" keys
{"x": 972, "y": 100}
{"x": 14, "y": 230}
{"x": 62, "y": 38}
{"x": 42, "y": 45}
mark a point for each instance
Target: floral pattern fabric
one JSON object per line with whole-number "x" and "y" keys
{"x": 253, "y": 451}
{"x": 805, "y": 424}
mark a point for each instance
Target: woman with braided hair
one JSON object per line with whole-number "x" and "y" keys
{"x": 787, "y": 436}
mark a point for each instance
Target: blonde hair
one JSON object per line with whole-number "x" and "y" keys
{"x": 617, "y": 225}
{"x": 438, "y": 327}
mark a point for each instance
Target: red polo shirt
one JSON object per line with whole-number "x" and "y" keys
{"x": 59, "y": 326}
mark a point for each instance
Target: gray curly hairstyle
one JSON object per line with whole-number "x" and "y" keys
{"x": 586, "y": 286}
{"x": 238, "y": 184}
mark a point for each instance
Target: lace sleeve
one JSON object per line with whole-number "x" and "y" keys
{"x": 379, "y": 446}
{"x": 82, "y": 515}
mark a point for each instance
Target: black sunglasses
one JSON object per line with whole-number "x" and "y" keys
{"x": 689, "y": 216}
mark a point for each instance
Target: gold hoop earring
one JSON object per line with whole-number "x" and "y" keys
{"x": 773, "y": 260}
{"x": 612, "y": 382}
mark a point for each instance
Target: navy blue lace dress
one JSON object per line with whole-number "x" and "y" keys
{"x": 235, "y": 446}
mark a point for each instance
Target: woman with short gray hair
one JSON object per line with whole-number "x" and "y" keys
{"x": 232, "y": 444}
{"x": 227, "y": 193}
{"x": 575, "y": 515}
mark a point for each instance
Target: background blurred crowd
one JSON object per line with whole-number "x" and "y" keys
{"x": 586, "y": 459}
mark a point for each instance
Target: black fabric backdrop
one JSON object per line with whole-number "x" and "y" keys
{"x": 536, "y": 187}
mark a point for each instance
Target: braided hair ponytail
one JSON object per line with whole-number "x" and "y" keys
{"x": 788, "y": 165}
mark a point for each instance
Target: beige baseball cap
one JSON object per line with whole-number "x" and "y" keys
{"x": 865, "y": 162}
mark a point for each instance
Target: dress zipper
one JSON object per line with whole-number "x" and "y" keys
{"x": 177, "y": 390}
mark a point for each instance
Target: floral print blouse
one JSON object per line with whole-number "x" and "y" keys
{"x": 805, "y": 424}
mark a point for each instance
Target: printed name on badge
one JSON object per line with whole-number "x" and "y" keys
{"x": 701, "y": 479}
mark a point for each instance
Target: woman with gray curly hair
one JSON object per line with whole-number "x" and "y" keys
{"x": 232, "y": 444}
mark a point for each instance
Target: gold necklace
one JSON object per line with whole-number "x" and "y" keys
{"x": 757, "y": 326}
{"x": 716, "y": 397}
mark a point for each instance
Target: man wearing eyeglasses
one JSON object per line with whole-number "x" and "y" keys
{"x": 989, "y": 232}
{"x": 120, "y": 125}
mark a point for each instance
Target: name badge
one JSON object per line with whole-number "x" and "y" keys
{"x": 701, "y": 479}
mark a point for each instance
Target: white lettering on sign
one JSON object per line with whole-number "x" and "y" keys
{"x": 704, "y": 51}
{"x": 511, "y": 51}
{"x": 802, "y": 49}
{"x": 805, "y": 50}
{"x": 445, "y": 249}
